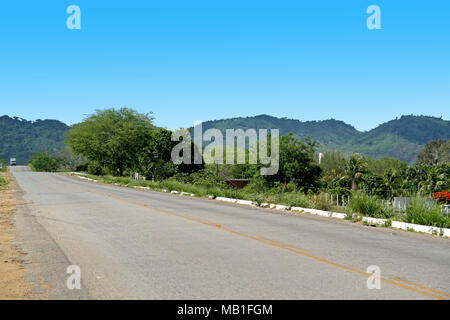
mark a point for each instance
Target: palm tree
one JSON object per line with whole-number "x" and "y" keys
{"x": 390, "y": 179}
{"x": 356, "y": 167}
{"x": 434, "y": 181}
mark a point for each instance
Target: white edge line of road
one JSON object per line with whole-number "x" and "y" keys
{"x": 394, "y": 224}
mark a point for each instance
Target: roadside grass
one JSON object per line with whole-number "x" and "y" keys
{"x": 419, "y": 211}
{"x": 361, "y": 204}
{"x": 290, "y": 199}
{"x": 369, "y": 206}
{"x": 4, "y": 181}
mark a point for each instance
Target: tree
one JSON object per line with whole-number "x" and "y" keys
{"x": 390, "y": 181}
{"x": 435, "y": 152}
{"x": 382, "y": 165}
{"x": 112, "y": 138}
{"x": 45, "y": 163}
{"x": 154, "y": 160}
{"x": 436, "y": 179}
{"x": 333, "y": 162}
{"x": 297, "y": 163}
{"x": 72, "y": 161}
{"x": 356, "y": 168}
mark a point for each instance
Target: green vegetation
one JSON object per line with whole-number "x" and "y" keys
{"x": 44, "y": 162}
{"x": 370, "y": 206}
{"x": 20, "y": 138}
{"x": 420, "y": 211}
{"x": 3, "y": 182}
{"x": 401, "y": 138}
{"x": 3, "y": 165}
{"x": 435, "y": 152}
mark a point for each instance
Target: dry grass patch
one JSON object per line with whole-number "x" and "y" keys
{"x": 12, "y": 283}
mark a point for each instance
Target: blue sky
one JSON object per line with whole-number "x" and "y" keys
{"x": 203, "y": 60}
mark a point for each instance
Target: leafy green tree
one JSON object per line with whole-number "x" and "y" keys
{"x": 380, "y": 166}
{"x": 435, "y": 180}
{"x": 45, "y": 163}
{"x": 154, "y": 160}
{"x": 297, "y": 163}
{"x": 390, "y": 180}
{"x": 112, "y": 138}
{"x": 333, "y": 162}
{"x": 435, "y": 152}
{"x": 372, "y": 184}
{"x": 356, "y": 168}
{"x": 71, "y": 160}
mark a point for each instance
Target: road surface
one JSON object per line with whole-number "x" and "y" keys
{"x": 134, "y": 244}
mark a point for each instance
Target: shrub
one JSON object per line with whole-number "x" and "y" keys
{"x": 320, "y": 202}
{"x": 95, "y": 168}
{"x": 370, "y": 206}
{"x": 45, "y": 163}
{"x": 3, "y": 182}
{"x": 420, "y": 211}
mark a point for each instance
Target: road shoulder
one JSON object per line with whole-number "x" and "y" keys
{"x": 13, "y": 284}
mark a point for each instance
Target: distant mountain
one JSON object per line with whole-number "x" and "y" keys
{"x": 20, "y": 138}
{"x": 401, "y": 138}
{"x": 332, "y": 133}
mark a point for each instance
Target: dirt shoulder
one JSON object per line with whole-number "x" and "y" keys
{"x": 12, "y": 273}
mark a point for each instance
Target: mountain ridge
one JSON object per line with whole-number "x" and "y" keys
{"x": 400, "y": 138}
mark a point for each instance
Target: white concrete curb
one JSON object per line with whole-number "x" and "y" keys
{"x": 246, "y": 202}
{"x": 374, "y": 220}
{"x": 226, "y": 199}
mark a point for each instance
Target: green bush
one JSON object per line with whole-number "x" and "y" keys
{"x": 94, "y": 168}
{"x": 44, "y": 163}
{"x": 420, "y": 211}
{"x": 3, "y": 182}
{"x": 367, "y": 205}
{"x": 295, "y": 199}
{"x": 3, "y": 165}
{"x": 320, "y": 202}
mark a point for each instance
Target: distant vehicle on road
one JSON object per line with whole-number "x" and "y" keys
{"x": 13, "y": 162}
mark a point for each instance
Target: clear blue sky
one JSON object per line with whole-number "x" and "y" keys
{"x": 203, "y": 60}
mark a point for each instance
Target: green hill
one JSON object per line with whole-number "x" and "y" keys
{"x": 331, "y": 133}
{"x": 401, "y": 138}
{"x": 20, "y": 138}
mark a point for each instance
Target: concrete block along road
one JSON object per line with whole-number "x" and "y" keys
{"x": 137, "y": 244}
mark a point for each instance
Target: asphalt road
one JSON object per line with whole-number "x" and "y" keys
{"x": 133, "y": 244}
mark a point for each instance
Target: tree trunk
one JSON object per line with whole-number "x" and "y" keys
{"x": 353, "y": 184}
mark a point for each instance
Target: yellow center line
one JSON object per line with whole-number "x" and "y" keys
{"x": 422, "y": 287}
